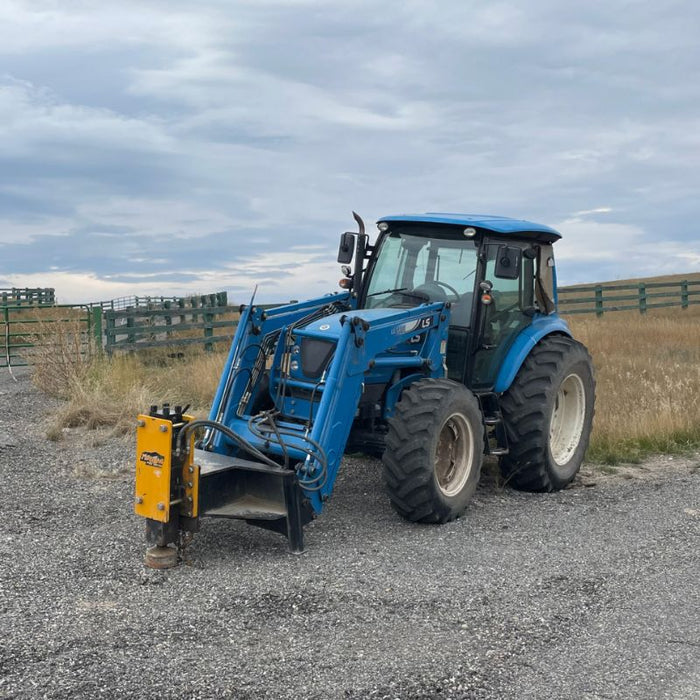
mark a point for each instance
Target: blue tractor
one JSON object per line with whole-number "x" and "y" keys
{"x": 444, "y": 345}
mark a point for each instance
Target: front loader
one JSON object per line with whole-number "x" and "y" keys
{"x": 443, "y": 346}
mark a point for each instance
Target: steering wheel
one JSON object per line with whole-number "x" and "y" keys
{"x": 434, "y": 290}
{"x": 450, "y": 288}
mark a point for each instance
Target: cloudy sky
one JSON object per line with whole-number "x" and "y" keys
{"x": 175, "y": 147}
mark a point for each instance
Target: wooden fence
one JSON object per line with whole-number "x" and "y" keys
{"x": 133, "y": 323}
{"x": 600, "y": 299}
{"x": 27, "y": 296}
{"x": 194, "y": 321}
{"x": 159, "y": 302}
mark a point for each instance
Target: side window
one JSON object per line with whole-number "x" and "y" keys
{"x": 510, "y": 312}
{"x": 512, "y": 294}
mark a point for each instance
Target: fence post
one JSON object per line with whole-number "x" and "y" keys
{"x": 684, "y": 294}
{"x": 110, "y": 332}
{"x": 598, "y": 300}
{"x": 6, "y": 338}
{"x": 181, "y": 305}
{"x": 130, "y": 324}
{"x": 96, "y": 312}
{"x": 642, "y": 298}
{"x": 168, "y": 319}
{"x": 208, "y": 331}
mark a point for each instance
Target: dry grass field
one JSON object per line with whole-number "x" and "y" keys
{"x": 111, "y": 392}
{"x": 648, "y": 381}
{"x": 647, "y": 368}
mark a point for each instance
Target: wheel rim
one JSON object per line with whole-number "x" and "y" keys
{"x": 568, "y": 416}
{"x": 453, "y": 454}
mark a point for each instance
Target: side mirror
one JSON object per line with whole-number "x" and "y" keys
{"x": 347, "y": 248}
{"x": 508, "y": 262}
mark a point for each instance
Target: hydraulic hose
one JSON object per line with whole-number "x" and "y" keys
{"x": 274, "y": 435}
{"x": 241, "y": 442}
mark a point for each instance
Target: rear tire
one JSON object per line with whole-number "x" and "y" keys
{"x": 434, "y": 449}
{"x": 548, "y": 413}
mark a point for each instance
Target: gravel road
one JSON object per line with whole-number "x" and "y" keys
{"x": 588, "y": 593}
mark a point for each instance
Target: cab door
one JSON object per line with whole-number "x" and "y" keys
{"x": 509, "y": 268}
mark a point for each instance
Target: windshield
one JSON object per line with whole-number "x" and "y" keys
{"x": 414, "y": 269}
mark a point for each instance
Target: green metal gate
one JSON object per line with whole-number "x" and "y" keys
{"x": 26, "y": 332}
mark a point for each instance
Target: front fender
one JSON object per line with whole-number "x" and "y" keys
{"x": 523, "y": 344}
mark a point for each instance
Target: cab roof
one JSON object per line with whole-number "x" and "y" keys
{"x": 487, "y": 222}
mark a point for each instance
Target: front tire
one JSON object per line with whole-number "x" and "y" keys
{"x": 434, "y": 449}
{"x": 548, "y": 413}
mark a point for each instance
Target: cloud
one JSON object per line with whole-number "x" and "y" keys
{"x": 597, "y": 210}
{"x": 42, "y": 24}
{"x": 278, "y": 276}
{"x": 23, "y": 232}
{"x": 35, "y": 119}
{"x": 590, "y": 241}
{"x": 167, "y": 143}
{"x": 597, "y": 251}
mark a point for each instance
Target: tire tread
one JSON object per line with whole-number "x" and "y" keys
{"x": 524, "y": 408}
{"x": 408, "y": 477}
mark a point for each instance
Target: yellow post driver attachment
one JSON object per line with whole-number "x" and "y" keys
{"x": 167, "y": 483}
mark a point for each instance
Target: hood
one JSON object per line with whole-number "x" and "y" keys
{"x": 329, "y": 327}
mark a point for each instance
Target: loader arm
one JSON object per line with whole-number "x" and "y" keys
{"x": 257, "y": 326}
{"x": 315, "y": 414}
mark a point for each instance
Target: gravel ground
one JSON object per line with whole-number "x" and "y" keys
{"x": 588, "y": 593}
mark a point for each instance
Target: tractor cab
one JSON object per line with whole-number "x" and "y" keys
{"x": 496, "y": 273}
